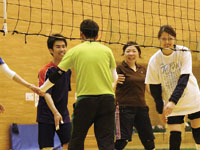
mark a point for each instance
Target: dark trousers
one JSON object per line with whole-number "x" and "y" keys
{"x": 90, "y": 109}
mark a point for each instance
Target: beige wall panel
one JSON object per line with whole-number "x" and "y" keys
{"x": 27, "y": 59}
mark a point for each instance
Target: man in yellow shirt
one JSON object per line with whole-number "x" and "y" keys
{"x": 95, "y": 69}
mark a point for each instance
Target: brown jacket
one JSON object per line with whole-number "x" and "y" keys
{"x": 132, "y": 91}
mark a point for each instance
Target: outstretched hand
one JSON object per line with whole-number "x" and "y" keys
{"x": 36, "y": 90}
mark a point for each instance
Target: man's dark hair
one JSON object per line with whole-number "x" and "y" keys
{"x": 53, "y": 38}
{"x": 89, "y": 28}
{"x": 168, "y": 29}
{"x": 130, "y": 43}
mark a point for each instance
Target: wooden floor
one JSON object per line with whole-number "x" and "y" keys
{"x": 161, "y": 142}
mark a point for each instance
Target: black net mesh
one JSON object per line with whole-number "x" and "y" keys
{"x": 119, "y": 20}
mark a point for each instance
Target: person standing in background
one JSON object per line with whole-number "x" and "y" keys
{"x": 130, "y": 99}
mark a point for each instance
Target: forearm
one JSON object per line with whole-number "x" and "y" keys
{"x": 47, "y": 84}
{"x": 12, "y": 75}
{"x": 156, "y": 92}
{"x": 21, "y": 81}
{"x": 114, "y": 85}
{"x": 50, "y": 103}
{"x": 181, "y": 85}
{"x": 7, "y": 71}
{"x": 147, "y": 89}
{"x": 115, "y": 77}
{"x": 51, "y": 80}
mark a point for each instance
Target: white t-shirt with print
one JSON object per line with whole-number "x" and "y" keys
{"x": 166, "y": 70}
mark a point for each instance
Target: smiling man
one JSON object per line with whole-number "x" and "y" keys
{"x": 52, "y": 113}
{"x": 96, "y": 75}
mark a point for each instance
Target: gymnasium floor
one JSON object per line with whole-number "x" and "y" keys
{"x": 161, "y": 142}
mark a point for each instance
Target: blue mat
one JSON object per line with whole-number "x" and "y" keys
{"x": 25, "y": 137}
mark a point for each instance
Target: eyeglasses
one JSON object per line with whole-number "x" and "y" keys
{"x": 167, "y": 39}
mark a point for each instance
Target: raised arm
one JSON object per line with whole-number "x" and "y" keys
{"x": 7, "y": 71}
{"x": 21, "y": 81}
{"x": 14, "y": 76}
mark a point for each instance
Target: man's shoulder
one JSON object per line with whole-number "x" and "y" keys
{"x": 85, "y": 44}
{"x": 46, "y": 67}
{"x": 103, "y": 46}
{"x": 80, "y": 45}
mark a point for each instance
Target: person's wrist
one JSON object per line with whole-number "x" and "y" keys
{"x": 172, "y": 102}
{"x": 56, "y": 113}
{"x": 29, "y": 85}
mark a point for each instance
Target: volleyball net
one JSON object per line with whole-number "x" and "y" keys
{"x": 119, "y": 20}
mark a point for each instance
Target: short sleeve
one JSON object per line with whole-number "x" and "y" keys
{"x": 120, "y": 69}
{"x": 67, "y": 61}
{"x": 1, "y": 61}
{"x": 186, "y": 63}
{"x": 152, "y": 75}
{"x": 43, "y": 76}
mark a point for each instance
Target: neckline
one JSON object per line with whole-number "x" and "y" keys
{"x": 126, "y": 65}
{"x": 167, "y": 56}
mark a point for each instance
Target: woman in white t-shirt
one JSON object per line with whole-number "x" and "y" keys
{"x": 12, "y": 75}
{"x": 170, "y": 77}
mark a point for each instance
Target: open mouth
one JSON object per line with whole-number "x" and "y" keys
{"x": 62, "y": 54}
{"x": 131, "y": 58}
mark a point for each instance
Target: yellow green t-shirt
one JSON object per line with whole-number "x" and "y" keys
{"x": 92, "y": 63}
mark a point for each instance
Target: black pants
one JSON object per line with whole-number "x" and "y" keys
{"x": 99, "y": 110}
{"x": 138, "y": 117}
{"x": 47, "y": 131}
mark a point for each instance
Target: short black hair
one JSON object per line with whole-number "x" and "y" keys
{"x": 130, "y": 43}
{"x": 89, "y": 28}
{"x": 53, "y": 38}
{"x": 168, "y": 29}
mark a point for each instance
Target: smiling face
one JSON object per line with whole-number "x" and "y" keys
{"x": 131, "y": 54}
{"x": 59, "y": 50}
{"x": 167, "y": 40}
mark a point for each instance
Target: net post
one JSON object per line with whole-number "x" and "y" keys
{"x": 5, "y": 29}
